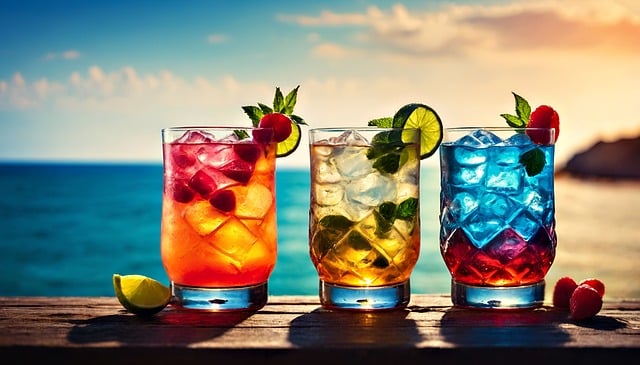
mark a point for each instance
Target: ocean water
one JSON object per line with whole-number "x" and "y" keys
{"x": 66, "y": 228}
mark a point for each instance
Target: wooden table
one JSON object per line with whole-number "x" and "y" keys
{"x": 296, "y": 330}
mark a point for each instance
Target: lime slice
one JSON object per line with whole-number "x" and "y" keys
{"x": 286, "y": 147}
{"x": 426, "y": 119}
{"x": 140, "y": 294}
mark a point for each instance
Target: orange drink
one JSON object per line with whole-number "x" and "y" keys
{"x": 218, "y": 231}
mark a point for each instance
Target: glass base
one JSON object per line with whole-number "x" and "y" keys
{"x": 364, "y": 298}
{"x": 486, "y": 297}
{"x": 247, "y": 298}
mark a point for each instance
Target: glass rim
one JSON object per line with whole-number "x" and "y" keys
{"x": 209, "y": 127}
{"x": 365, "y": 128}
{"x": 501, "y": 128}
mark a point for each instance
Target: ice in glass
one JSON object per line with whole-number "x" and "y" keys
{"x": 218, "y": 231}
{"x": 497, "y": 232}
{"x": 364, "y": 218}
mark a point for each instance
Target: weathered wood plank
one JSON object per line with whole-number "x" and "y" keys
{"x": 294, "y": 329}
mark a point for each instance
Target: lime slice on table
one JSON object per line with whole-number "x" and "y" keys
{"x": 140, "y": 294}
{"x": 286, "y": 147}
{"x": 426, "y": 119}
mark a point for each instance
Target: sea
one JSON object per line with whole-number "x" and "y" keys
{"x": 66, "y": 228}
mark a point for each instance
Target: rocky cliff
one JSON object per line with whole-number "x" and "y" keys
{"x": 619, "y": 160}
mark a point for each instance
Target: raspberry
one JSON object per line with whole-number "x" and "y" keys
{"x": 585, "y": 302}
{"x": 280, "y": 123}
{"x": 594, "y": 283}
{"x": 543, "y": 117}
{"x": 562, "y": 292}
{"x": 202, "y": 183}
{"x": 249, "y": 152}
{"x": 223, "y": 200}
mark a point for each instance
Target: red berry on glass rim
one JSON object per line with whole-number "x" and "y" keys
{"x": 562, "y": 292}
{"x": 280, "y": 123}
{"x": 543, "y": 117}
{"x": 585, "y": 302}
{"x": 595, "y": 284}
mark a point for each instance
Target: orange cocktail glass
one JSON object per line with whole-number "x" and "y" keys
{"x": 218, "y": 231}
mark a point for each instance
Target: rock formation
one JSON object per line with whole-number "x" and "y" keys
{"x": 619, "y": 160}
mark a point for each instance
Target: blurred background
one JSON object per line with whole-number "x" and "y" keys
{"x": 85, "y": 88}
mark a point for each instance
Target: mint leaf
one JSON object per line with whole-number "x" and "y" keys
{"x": 278, "y": 101}
{"x": 514, "y": 121}
{"x": 523, "y": 109}
{"x": 385, "y": 216}
{"x": 297, "y": 119}
{"x": 533, "y": 161}
{"x": 357, "y": 241}
{"x": 337, "y": 222}
{"x": 290, "y": 101}
{"x": 392, "y": 138}
{"x": 380, "y": 262}
{"x": 386, "y": 122}
{"x": 389, "y": 163}
{"x": 387, "y": 210}
{"x": 241, "y": 134}
{"x": 408, "y": 209}
{"x": 254, "y": 113}
{"x": 265, "y": 108}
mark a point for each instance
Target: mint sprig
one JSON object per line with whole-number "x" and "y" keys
{"x": 532, "y": 160}
{"x": 281, "y": 104}
{"x": 523, "y": 112}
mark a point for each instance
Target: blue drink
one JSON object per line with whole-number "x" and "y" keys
{"x": 497, "y": 232}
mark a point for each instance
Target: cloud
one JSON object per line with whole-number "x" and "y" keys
{"x": 217, "y": 38}
{"x": 66, "y": 55}
{"x": 332, "y": 51}
{"x": 453, "y": 30}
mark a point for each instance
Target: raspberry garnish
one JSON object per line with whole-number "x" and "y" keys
{"x": 223, "y": 200}
{"x": 280, "y": 123}
{"x": 562, "y": 292}
{"x": 543, "y": 117}
{"x": 595, "y": 284}
{"x": 585, "y": 302}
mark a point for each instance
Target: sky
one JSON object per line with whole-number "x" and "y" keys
{"x": 98, "y": 80}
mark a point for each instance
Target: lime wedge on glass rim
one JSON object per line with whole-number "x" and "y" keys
{"x": 140, "y": 294}
{"x": 423, "y": 117}
{"x": 286, "y": 147}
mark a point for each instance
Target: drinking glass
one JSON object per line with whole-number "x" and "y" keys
{"x": 364, "y": 217}
{"x": 497, "y": 215}
{"x": 218, "y": 231}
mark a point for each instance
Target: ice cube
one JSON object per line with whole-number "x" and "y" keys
{"x": 216, "y": 155}
{"x": 518, "y": 139}
{"x": 506, "y": 179}
{"x": 479, "y": 138}
{"x": 352, "y": 162}
{"x": 204, "y": 218}
{"x": 525, "y": 224}
{"x": 371, "y": 190}
{"x": 194, "y": 136}
{"x": 349, "y": 138}
{"x": 253, "y": 201}
{"x": 328, "y": 194}
{"x": 233, "y": 238}
{"x": 326, "y": 172}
